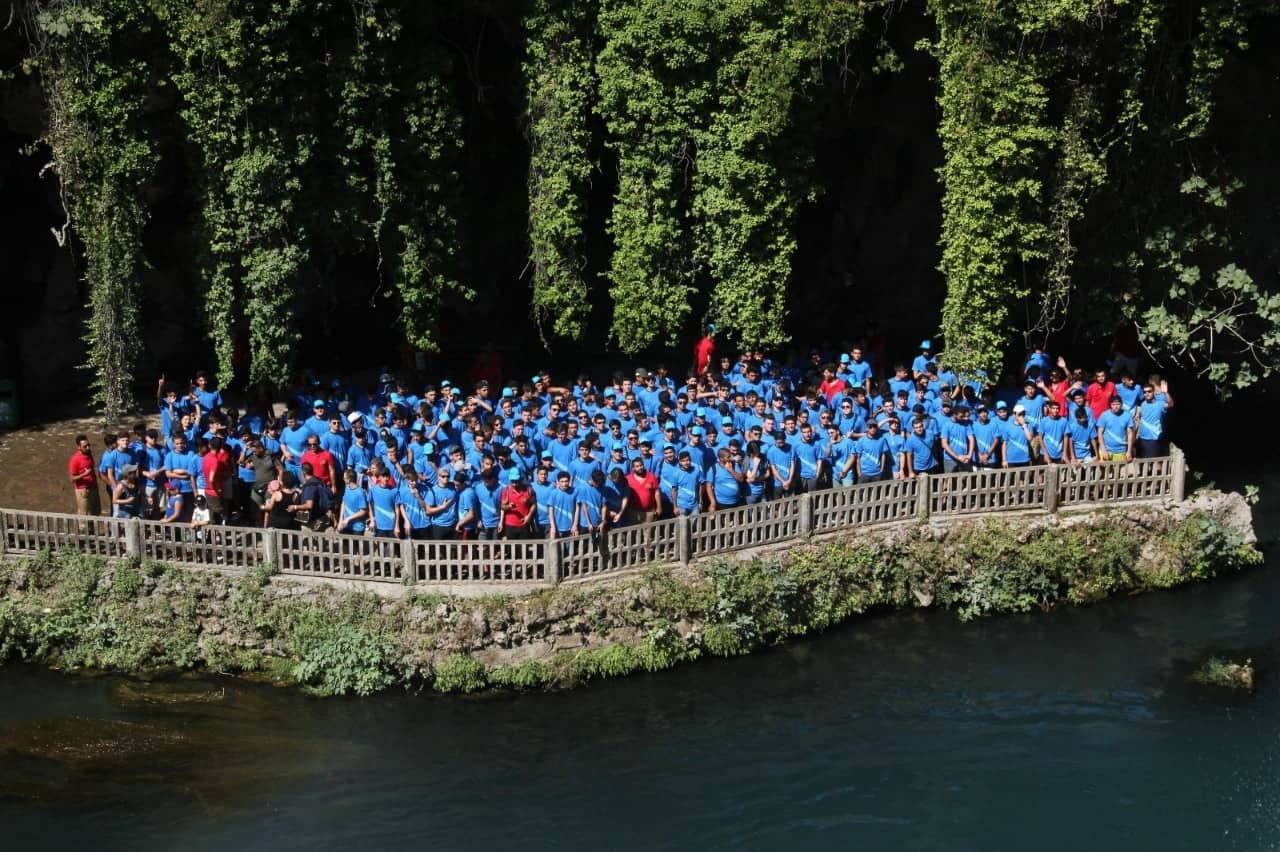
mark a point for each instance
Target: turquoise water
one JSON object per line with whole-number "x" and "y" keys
{"x": 1067, "y": 730}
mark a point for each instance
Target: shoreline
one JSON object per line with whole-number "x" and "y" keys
{"x": 82, "y": 612}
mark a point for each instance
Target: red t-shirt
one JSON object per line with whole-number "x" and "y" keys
{"x": 831, "y": 388}
{"x": 1099, "y": 396}
{"x": 319, "y": 462}
{"x": 521, "y": 499}
{"x": 645, "y": 491}
{"x": 78, "y": 464}
{"x": 702, "y": 353}
{"x": 215, "y": 470}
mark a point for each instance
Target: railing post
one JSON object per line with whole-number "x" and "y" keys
{"x": 922, "y": 496}
{"x": 271, "y": 548}
{"x": 806, "y": 515}
{"x": 555, "y": 560}
{"x": 4, "y": 532}
{"x": 683, "y": 540}
{"x": 133, "y": 539}
{"x": 408, "y": 562}
{"x": 1051, "y": 488}
{"x": 1178, "y": 470}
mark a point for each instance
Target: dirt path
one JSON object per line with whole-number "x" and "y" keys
{"x": 33, "y": 461}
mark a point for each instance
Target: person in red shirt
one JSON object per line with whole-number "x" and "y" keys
{"x": 216, "y": 466}
{"x": 1098, "y": 395}
{"x": 321, "y": 461}
{"x": 84, "y": 479}
{"x": 703, "y": 350}
{"x": 831, "y": 385}
{"x": 518, "y": 507}
{"x": 643, "y": 507}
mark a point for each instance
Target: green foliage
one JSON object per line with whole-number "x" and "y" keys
{"x": 561, "y": 86}
{"x": 340, "y": 649}
{"x": 95, "y": 87}
{"x": 525, "y": 676}
{"x": 460, "y": 673}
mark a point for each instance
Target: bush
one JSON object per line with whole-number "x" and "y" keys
{"x": 459, "y": 673}
{"x": 335, "y": 653}
{"x": 525, "y": 676}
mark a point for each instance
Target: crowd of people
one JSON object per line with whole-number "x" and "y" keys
{"x": 536, "y": 458}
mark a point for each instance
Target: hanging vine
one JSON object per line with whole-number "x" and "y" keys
{"x": 560, "y": 89}
{"x": 242, "y": 75}
{"x": 95, "y": 82}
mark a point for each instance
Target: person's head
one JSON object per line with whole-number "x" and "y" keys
{"x": 1148, "y": 391}
{"x": 1100, "y": 376}
{"x": 806, "y": 432}
{"x": 122, "y": 440}
{"x": 984, "y": 414}
{"x": 1002, "y": 411}
{"x": 313, "y": 444}
{"x": 686, "y": 460}
{"x": 1051, "y": 409}
{"x": 179, "y": 443}
{"x": 917, "y": 425}
{"x": 873, "y": 428}
{"x": 893, "y": 424}
{"x": 82, "y": 444}
{"x": 1116, "y": 403}
{"x": 1029, "y": 389}
{"x": 540, "y": 475}
{"x": 562, "y": 480}
{"x": 289, "y": 480}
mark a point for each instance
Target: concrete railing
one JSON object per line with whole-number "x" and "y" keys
{"x": 491, "y": 566}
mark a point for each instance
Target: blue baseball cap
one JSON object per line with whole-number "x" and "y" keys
{"x": 697, "y": 430}
{"x": 844, "y": 359}
{"x": 319, "y": 403}
{"x": 508, "y": 392}
{"x": 546, "y": 454}
{"x": 535, "y": 379}
{"x": 926, "y": 344}
{"x": 1001, "y": 404}
{"x": 445, "y": 384}
{"x": 610, "y": 392}
{"x": 700, "y": 411}
{"x": 726, "y": 421}
{"x": 513, "y": 475}
{"x": 396, "y": 399}
{"x": 428, "y": 447}
{"x": 617, "y": 445}
{"x": 670, "y": 426}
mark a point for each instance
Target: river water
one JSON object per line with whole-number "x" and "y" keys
{"x": 1068, "y": 730}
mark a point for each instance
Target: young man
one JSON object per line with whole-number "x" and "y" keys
{"x": 986, "y": 440}
{"x": 518, "y": 507}
{"x": 1017, "y": 438}
{"x": 783, "y": 462}
{"x": 957, "y": 442}
{"x": 1115, "y": 432}
{"x": 688, "y": 483}
{"x": 1053, "y": 434}
{"x": 870, "y": 455}
{"x": 809, "y": 460}
{"x": 726, "y": 481}
{"x": 1155, "y": 404}
{"x": 84, "y": 479}
{"x": 562, "y": 508}
{"x": 642, "y": 508}
{"x": 1098, "y": 394}
{"x": 488, "y": 493}
{"x": 917, "y": 452}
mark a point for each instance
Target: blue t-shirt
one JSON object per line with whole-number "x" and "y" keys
{"x": 1082, "y": 435}
{"x": 1053, "y": 435}
{"x": 187, "y": 461}
{"x": 1017, "y": 447}
{"x": 687, "y": 483}
{"x": 414, "y": 513}
{"x": 1151, "y": 418}
{"x": 871, "y": 454}
{"x": 353, "y": 500}
{"x": 562, "y": 505}
{"x": 1115, "y": 429}
{"x": 383, "y": 501}
{"x": 296, "y": 441}
{"x": 489, "y": 503}
{"x": 543, "y": 492}
{"x": 468, "y": 503}
{"x": 896, "y": 442}
{"x": 921, "y": 450}
{"x": 581, "y": 471}
{"x": 956, "y": 435}
{"x": 807, "y": 458}
{"x": 591, "y": 501}
{"x": 782, "y": 460}
{"x": 986, "y": 436}
{"x": 725, "y": 486}
{"x": 438, "y": 495}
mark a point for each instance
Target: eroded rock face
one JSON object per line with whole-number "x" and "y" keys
{"x": 1228, "y": 507}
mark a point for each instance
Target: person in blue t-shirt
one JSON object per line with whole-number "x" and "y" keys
{"x": 1018, "y": 439}
{"x": 1082, "y": 446}
{"x": 920, "y": 365}
{"x": 986, "y": 440}
{"x": 726, "y": 481}
{"x": 589, "y": 497}
{"x": 383, "y": 494}
{"x": 1155, "y": 404}
{"x": 783, "y": 462}
{"x": 1115, "y": 432}
{"x": 562, "y": 508}
{"x": 1053, "y": 433}
{"x": 809, "y": 461}
{"x": 957, "y": 441}
{"x": 871, "y": 455}
{"x": 755, "y": 473}
{"x": 355, "y": 505}
{"x": 488, "y": 492}
{"x": 688, "y": 484}
{"x": 917, "y": 452}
